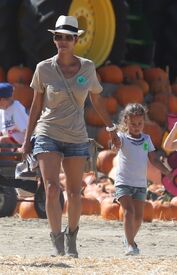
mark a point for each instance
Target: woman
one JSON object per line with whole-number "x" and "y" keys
{"x": 59, "y": 128}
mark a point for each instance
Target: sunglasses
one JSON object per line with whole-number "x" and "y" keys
{"x": 61, "y": 37}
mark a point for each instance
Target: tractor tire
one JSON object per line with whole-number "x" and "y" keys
{"x": 104, "y": 21}
{"x": 35, "y": 17}
{"x": 39, "y": 202}
{"x": 8, "y": 201}
{"x": 10, "y": 53}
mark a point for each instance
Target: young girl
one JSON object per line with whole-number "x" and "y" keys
{"x": 130, "y": 182}
{"x": 13, "y": 117}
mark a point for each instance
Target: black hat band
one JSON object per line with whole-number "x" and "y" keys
{"x": 67, "y": 27}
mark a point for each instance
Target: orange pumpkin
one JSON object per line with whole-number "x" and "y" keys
{"x": 172, "y": 104}
{"x": 92, "y": 117}
{"x": 160, "y": 86}
{"x": 164, "y": 211}
{"x": 151, "y": 74}
{"x": 90, "y": 206}
{"x": 110, "y": 104}
{"x": 162, "y": 98}
{"x": 109, "y": 209}
{"x": 148, "y": 212}
{"x": 19, "y": 74}
{"x": 24, "y": 94}
{"x": 103, "y": 137}
{"x": 174, "y": 88}
{"x": 129, "y": 94}
{"x": 132, "y": 72}
{"x": 155, "y": 131}
{"x": 158, "y": 112}
{"x": 143, "y": 85}
{"x": 105, "y": 161}
{"x": 110, "y": 74}
{"x": 27, "y": 210}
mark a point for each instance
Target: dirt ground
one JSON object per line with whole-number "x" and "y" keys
{"x": 25, "y": 248}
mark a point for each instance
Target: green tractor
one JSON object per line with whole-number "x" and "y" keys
{"x": 117, "y": 31}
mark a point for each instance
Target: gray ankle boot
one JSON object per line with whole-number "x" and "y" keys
{"x": 58, "y": 243}
{"x": 70, "y": 242}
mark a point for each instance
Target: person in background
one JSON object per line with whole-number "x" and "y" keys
{"x": 61, "y": 139}
{"x": 170, "y": 142}
{"x": 131, "y": 172}
{"x": 13, "y": 117}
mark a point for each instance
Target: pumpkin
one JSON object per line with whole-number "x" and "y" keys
{"x": 148, "y": 211}
{"x": 172, "y": 104}
{"x": 103, "y": 137}
{"x": 110, "y": 104}
{"x": 110, "y": 74}
{"x": 2, "y": 75}
{"x": 24, "y": 94}
{"x": 92, "y": 117}
{"x": 160, "y": 86}
{"x": 129, "y": 94}
{"x": 162, "y": 98}
{"x": 19, "y": 74}
{"x": 151, "y": 74}
{"x": 164, "y": 211}
{"x": 132, "y": 72}
{"x": 90, "y": 206}
{"x": 104, "y": 161}
{"x": 174, "y": 88}
{"x": 158, "y": 112}
{"x": 155, "y": 131}
{"x": 109, "y": 209}
{"x": 143, "y": 85}
{"x": 16, "y": 211}
{"x": 27, "y": 210}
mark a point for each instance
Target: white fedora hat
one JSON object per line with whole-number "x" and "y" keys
{"x": 67, "y": 25}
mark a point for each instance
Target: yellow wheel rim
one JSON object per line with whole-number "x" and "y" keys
{"x": 97, "y": 18}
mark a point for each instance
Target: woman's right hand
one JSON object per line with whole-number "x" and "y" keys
{"x": 26, "y": 148}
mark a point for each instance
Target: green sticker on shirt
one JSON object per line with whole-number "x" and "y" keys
{"x": 81, "y": 80}
{"x": 145, "y": 146}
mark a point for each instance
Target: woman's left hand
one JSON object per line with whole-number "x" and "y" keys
{"x": 116, "y": 143}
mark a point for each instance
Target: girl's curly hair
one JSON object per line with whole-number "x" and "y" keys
{"x": 132, "y": 109}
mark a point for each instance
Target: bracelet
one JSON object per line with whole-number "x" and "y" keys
{"x": 110, "y": 129}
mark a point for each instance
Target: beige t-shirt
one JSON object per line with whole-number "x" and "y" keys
{"x": 60, "y": 119}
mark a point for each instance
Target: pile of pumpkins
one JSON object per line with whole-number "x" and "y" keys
{"x": 121, "y": 85}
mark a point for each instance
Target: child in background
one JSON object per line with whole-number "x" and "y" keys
{"x": 131, "y": 180}
{"x": 13, "y": 117}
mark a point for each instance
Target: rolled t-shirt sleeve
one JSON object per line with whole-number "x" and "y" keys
{"x": 95, "y": 86}
{"x": 36, "y": 82}
{"x": 150, "y": 145}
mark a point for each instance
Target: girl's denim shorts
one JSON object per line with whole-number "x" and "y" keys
{"x": 137, "y": 193}
{"x": 44, "y": 144}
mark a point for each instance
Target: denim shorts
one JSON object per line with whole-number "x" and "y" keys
{"x": 44, "y": 144}
{"x": 137, "y": 193}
